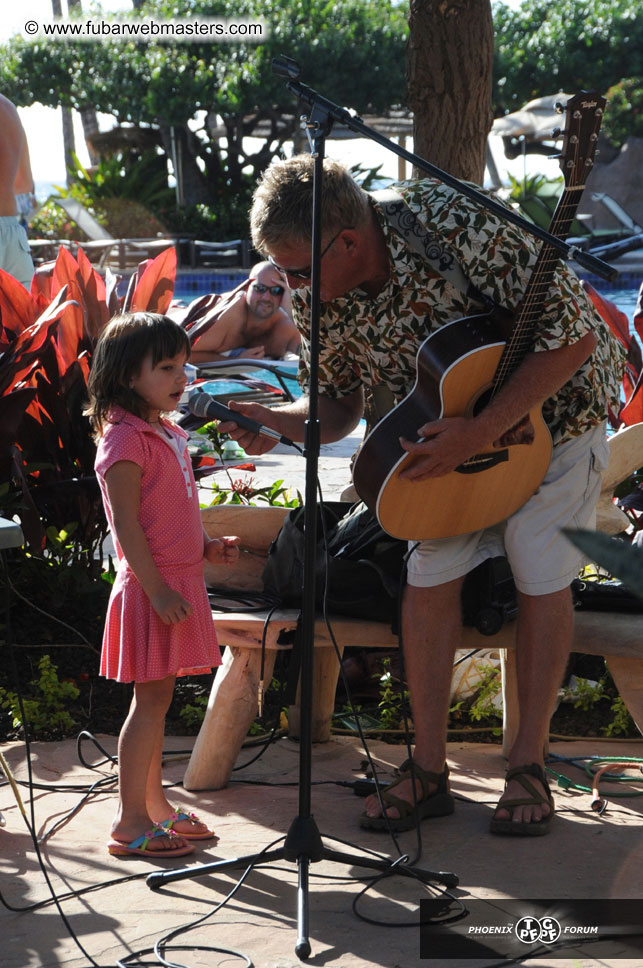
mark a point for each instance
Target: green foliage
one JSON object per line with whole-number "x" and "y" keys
{"x": 193, "y": 713}
{"x": 142, "y": 178}
{"x": 585, "y": 694}
{"x": 484, "y": 704}
{"x": 203, "y": 222}
{"x": 392, "y": 699}
{"x": 45, "y": 712}
{"x": 622, "y": 724}
{"x": 624, "y": 116}
{"x": 546, "y": 46}
{"x": 533, "y": 186}
{"x": 243, "y": 491}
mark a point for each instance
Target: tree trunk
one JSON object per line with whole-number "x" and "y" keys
{"x": 69, "y": 145}
{"x": 448, "y": 75}
{"x": 194, "y": 186}
{"x": 88, "y": 116}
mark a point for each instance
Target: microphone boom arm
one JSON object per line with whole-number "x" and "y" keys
{"x": 344, "y": 116}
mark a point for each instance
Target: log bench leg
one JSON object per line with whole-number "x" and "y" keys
{"x": 510, "y": 710}
{"x": 325, "y": 675}
{"x": 232, "y": 707}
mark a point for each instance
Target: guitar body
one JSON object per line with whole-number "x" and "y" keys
{"x": 455, "y": 368}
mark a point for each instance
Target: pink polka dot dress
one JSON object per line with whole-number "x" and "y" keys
{"x": 137, "y": 645}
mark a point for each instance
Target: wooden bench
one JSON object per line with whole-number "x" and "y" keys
{"x": 232, "y": 705}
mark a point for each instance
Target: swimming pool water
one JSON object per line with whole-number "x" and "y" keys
{"x": 625, "y": 299}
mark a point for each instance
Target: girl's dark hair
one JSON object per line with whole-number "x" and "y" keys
{"x": 123, "y": 345}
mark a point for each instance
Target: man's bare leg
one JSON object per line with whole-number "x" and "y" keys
{"x": 431, "y": 627}
{"x": 543, "y": 642}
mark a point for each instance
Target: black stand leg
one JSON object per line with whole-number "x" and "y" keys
{"x": 303, "y": 844}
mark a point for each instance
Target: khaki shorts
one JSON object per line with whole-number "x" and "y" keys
{"x": 542, "y": 559}
{"x": 15, "y": 255}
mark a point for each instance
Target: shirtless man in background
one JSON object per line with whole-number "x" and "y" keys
{"x": 15, "y": 179}
{"x": 254, "y": 321}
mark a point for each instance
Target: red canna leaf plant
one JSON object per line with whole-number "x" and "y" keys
{"x": 47, "y": 337}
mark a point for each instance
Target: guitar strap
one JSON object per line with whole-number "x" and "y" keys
{"x": 404, "y": 220}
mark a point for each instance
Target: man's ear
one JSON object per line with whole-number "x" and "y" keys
{"x": 349, "y": 239}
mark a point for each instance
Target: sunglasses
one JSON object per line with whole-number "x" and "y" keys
{"x": 303, "y": 273}
{"x": 260, "y": 288}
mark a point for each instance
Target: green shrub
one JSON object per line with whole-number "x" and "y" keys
{"x": 624, "y": 116}
{"x": 45, "y": 709}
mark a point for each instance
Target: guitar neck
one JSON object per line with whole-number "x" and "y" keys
{"x": 530, "y": 309}
{"x": 584, "y": 114}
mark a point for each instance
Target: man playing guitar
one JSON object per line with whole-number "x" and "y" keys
{"x": 380, "y": 301}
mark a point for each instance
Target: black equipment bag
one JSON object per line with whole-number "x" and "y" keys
{"x": 604, "y": 595}
{"x": 363, "y": 562}
{"x": 365, "y": 565}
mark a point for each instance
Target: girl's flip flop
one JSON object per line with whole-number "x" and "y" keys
{"x": 180, "y": 815}
{"x": 140, "y": 845}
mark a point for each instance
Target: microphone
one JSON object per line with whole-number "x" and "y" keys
{"x": 203, "y": 405}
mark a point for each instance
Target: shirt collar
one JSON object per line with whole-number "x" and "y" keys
{"x": 120, "y": 415}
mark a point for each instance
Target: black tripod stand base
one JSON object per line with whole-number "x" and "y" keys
{"x": 383, "y": 865}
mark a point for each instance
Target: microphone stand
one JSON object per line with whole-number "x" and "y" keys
{"x": 303, "y": 843}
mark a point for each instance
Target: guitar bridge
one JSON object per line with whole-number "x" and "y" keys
{"x": 482, "y": 462}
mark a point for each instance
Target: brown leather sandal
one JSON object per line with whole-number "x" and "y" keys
{"x": 523, "y": 829}
{"x": 439, "y": 803}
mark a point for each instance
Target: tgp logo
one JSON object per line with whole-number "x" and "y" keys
{"x": 531, "y": 930}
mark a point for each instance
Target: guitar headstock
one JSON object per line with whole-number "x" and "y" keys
{"x": 583, "y": 116}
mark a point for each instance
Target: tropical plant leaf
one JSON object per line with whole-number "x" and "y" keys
{"x": 153, "y": 292}
{"x": 94, "y": 295}
{"x": 41, "y": 284}
{"x": 622, "y": 560}
{"x": 47, "y": 451}
{"x": 17, "y": 309}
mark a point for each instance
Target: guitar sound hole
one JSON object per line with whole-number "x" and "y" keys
{"x": 482, "y": 401}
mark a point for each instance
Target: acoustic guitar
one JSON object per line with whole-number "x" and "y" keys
{"x": 459, "y": 369}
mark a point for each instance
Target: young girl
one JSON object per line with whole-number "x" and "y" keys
{"x": 159, "y": 623}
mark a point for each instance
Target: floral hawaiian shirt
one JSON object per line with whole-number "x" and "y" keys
{"x": 366, "y": 341}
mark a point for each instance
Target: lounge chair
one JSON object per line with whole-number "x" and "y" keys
{"x": 587, "y": 230}
{"x": 101, "y": 243}
{"x": 190, "y": 252}
{"x": 625, "y": 223}
{"x": 240, "y": 380}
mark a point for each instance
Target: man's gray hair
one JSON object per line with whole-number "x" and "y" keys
{"x": 282, "y": 206}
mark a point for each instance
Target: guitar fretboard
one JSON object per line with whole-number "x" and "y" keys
{"x": 584, "y": 111}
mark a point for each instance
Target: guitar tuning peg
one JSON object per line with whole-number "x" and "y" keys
{"x": 556, "y": 133}
{"x": 559, "y": 108}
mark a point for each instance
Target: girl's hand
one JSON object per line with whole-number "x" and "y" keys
{"x": 222, "y": 551}
{"x": 170, "y": 606}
